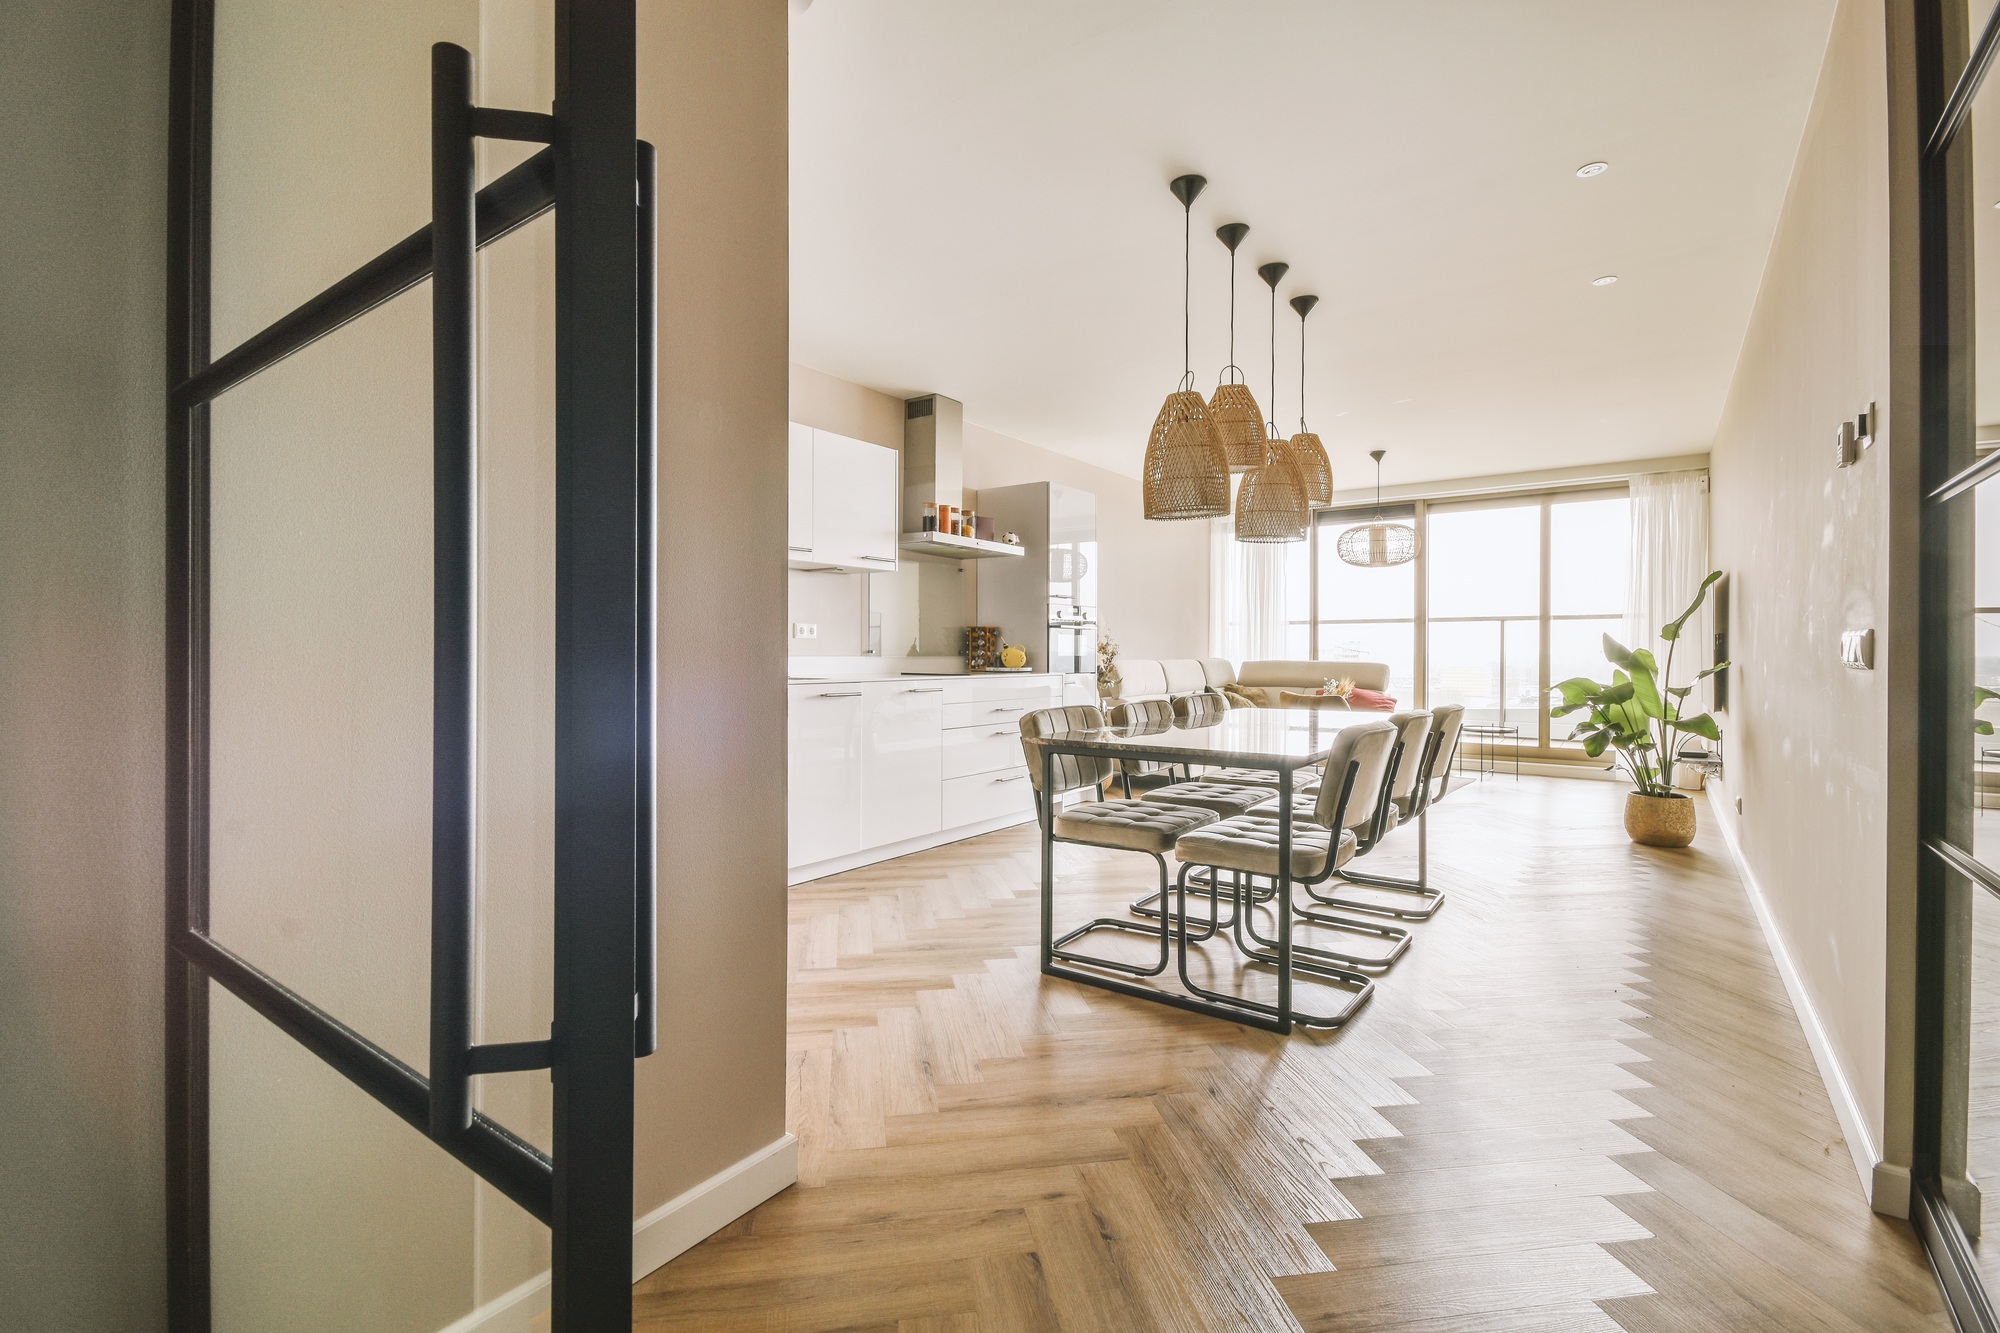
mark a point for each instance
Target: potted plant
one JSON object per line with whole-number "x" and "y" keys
{"x": 1640, "y": 721}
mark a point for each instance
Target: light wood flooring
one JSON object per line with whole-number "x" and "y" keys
{"x": 1581, "y": 1102}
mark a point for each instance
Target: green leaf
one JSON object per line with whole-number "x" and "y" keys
{"x": 1680, "y": 691}
{"x": 1593, "y": 744}
{"x": 1701, "y": 725}
{"x": 1719, "y": 666}
{"x": 1673, "y": 631}
{"x": 1617, "y": 694}
{"x": 1982, "y": 728}
{"x": 1646, "y": 691}
{"x": 1578, "y": 689}
{"x": 1644, "y": 658}
{"x": 1980, "y": 694}
{"x": 1617, "y": 652}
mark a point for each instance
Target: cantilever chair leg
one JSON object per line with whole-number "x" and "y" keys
{"x": 1059, "y": 950}
{"x": 1428, "y": 899}
{"x": 1398, "y": 939}
{"x": 1255, "y": 1011}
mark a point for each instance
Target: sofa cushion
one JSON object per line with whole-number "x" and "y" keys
{"x": 1245, "y": 696}
{"x": 1220, "y": 671}
{"x": 1141, "y": 678}
{"x": 1184, "y": 675}
{"x": 1312, "y": 675}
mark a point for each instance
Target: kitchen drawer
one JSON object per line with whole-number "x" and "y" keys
{"x": 994, "y": 713}
{"x": 982, "y": 749}
{"x": 994, "y": 689}
{"x": 985, "y": 796}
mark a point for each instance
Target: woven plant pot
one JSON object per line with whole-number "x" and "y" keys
{"x": 1659, "y": 821}
{"x": 1239, "y": 425}
{"x": 1309, "y": 456}
{"x": 1186, "y": 475}
{"x": 1271, "y": 501}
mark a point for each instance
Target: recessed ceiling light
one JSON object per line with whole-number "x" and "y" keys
{"x": 1589, "y": 169}
{"x": 1604, "y": 281}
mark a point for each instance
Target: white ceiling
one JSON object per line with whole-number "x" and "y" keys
{"x": 980, "y": 208}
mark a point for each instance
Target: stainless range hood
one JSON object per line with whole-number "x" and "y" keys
{"x": 934, "y": 473}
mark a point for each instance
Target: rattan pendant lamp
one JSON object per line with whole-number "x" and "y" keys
{"x": 1239, "y": 422}
{"x": 1271, "y": 502}
{"x": 1378, "y": 545}
{"x": 1308, "y": 454}
{"x": 1186, "y": 473}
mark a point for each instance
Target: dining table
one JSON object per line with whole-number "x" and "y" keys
{"x": 1288, "y": 742}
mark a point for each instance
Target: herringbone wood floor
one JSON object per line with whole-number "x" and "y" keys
{"x": 1581, "y": 1102}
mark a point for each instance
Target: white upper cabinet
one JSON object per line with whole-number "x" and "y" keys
{"x": 799, "y": 518}
{"x": 846, "y": 506}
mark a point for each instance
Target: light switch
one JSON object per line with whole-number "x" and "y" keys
{"x": 1845, "y": 448}
{"x": 1857, "y": 649}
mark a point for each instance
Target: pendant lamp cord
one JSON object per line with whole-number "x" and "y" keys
{"x": 1302, "y": 374}
{"x": 1187, "y": 282}
{"x": 1273, "y": 399}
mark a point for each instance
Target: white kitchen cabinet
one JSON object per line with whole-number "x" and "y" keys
{"x": 799, "y": 515}
{"x": 901, "y": 749}
{"x": 824, "y": 754}
{"x": 846, "y": 503}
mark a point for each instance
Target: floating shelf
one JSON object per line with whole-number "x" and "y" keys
{"x": 955, "y": 548}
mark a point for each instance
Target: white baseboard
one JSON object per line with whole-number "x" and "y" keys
{"x": 890, "y": 851}
{"x": 1878, "y": 1179}
{"x": 667, "y": 1232}
{"x": 683, "y": 1222}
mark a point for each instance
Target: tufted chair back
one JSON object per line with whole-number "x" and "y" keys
{"x": 1447, "y": 718}
{"x": 1071, "y": 771}
{"x": 1414, "y": 730}
{"x": 1199, "y": 710}
{"x": 1367, "y": 744}
{"x": 1147, "y": 715}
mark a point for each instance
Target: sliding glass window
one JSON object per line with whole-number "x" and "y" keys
{"x": 1366, "y": 615}
{"x": 1505, "y": 597}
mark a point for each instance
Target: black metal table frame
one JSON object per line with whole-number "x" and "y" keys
{"x": 1281, "y": 1016}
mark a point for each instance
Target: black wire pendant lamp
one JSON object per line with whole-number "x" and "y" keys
{"x": 1186, "y": 473}
{"x": 1271, "y": 502}
{"x": 1377, "y": 545}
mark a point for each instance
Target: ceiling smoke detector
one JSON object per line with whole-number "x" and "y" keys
{"x": 1589, "y": 169}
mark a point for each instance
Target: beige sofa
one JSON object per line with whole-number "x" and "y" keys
{"x": 1151, "y": 678}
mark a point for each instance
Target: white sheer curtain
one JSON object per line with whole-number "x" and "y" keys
{"x": 1669, "y": 561}
{"x": 1246, "y": 602}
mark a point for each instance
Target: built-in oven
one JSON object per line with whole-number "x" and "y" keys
{"x": 1072, "y": 646}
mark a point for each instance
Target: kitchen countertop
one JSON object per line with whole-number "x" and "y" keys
{"x": 856, "y": 677}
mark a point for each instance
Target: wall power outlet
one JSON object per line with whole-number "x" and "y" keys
{"x": 804, "y": 630}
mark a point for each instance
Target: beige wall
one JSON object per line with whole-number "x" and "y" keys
{"x": 1816, "y": 753}
{"x": 712, "y": 90}
{"x": 1153, "y": 584}
{"x": 83, "y": 88}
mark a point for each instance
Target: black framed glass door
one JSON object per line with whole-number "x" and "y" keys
{"x": 1956, "y": 1139}
{"x": 335, "y": 182}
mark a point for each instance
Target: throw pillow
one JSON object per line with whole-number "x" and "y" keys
{"x": 1244, "y": 696}
{"x": 1373, "y": 700}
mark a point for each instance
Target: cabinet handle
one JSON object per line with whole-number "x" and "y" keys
{"x": 1014, "y": 778}
{"x": 927, "y": 689}
{"x": 1002, "y": 733}
{"x": 842, "y": 694}
{"x": 1004, "y": 708}
{"x": 803, "y": 550}
{"x": 885, "y": 559}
